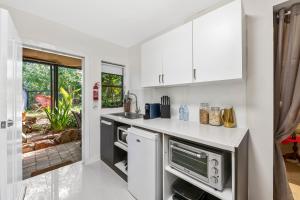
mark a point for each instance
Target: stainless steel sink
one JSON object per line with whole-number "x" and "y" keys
{"x": 128, "y": 115}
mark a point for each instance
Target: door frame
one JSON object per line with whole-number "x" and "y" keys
{"x": 84, "y": 93}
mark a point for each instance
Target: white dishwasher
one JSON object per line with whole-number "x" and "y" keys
{"x": 144, "y": 164}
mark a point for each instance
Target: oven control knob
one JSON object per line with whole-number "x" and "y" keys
{"x": 214, "y": 179}
{"x": 214, "y": 170}
{"x": 214, "y": 162}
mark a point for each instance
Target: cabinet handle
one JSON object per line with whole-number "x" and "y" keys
{"x": 194, "y": 73}
{"x": 162, "y": 78}
{"x": 106, "y": 122}
{"x": 159, "y": 78}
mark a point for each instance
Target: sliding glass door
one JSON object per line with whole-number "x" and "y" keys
{"x": 51, "y": 116}
{"x": 42, "y": 82}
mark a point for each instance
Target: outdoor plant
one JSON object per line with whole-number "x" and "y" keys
{"x": 59, "y": 116}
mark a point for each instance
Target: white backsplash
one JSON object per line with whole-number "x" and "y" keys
{"x": 217, "y": 94}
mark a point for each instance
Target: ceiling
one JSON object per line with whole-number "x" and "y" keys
{"x": 122, "y": 22}
{"x": 51, "y": 58}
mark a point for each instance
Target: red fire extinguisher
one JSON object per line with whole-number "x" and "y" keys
{"x": 96, "y": 92}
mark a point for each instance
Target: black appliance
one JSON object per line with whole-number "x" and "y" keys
{"x": 185, "y": 191}
{"x": 152, "y": 110}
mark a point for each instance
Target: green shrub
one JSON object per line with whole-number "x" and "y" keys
{"x": 59, "y": 116}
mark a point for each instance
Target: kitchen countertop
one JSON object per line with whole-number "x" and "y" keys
{"x": 219, "y": 137}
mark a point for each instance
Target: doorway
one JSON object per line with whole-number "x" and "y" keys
{"x": 52, "y": 111}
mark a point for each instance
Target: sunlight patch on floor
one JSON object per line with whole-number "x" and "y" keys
{"x": 293, "y": 173}
{"x": 295, "y": 190}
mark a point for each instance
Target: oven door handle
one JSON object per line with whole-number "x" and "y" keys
{"x": 198, "y": 155}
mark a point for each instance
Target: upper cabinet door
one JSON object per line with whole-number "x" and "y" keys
{"x": 218, "y": 44}
{"x": 151, "y": 60}
{"x": 178, "y": 55}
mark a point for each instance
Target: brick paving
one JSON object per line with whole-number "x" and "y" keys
{"x": 44, "y": 158}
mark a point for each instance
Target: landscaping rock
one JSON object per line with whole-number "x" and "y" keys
{"x": 50, "y": 136}
{"x": 43, "y": 144}
{"x": 28, "y": 147}
{"x": 24, "y": 138}
{"x": 37, "y": 127}
{"x": 26, "y": 128}
{"x": 30, "y": 120}
{"x": 68, "y": 136}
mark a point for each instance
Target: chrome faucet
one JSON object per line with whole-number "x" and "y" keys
{"x": 137, "y": 109}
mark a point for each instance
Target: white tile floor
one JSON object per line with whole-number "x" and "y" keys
{"x": 78, "y": 182}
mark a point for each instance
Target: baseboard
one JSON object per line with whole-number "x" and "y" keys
{"x": 92, "y": 160}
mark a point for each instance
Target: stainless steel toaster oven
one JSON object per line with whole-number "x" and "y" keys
{"x": 207, "y": 165}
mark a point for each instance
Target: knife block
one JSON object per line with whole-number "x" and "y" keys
{"x": 165, "y": 111}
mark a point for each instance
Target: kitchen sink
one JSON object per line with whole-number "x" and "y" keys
{"x": 128, "y": 115}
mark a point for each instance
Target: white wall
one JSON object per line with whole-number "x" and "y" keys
{"x": 47, "y": 33}
{"x": 260, "y": 97}
{"x": 252, "y": 101}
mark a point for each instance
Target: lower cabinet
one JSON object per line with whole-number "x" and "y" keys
{"x": 112, "y": 155}
{"x": 107, "y": 141}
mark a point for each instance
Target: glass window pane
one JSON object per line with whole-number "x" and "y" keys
{"x": 111, "y": 85}
{"x": 112, "y": 79}
{"x": 36, "y": 86}
{"x": 70, "y": 79}
{"x": 112, "y": 97}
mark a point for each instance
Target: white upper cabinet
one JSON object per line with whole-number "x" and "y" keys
{"x": 178, "y": 55}
{"x": 167, "y": 59}
{"x": 218, "y": 44}
{"x": 209, "y": 48}
{"x": 151, "y": 59}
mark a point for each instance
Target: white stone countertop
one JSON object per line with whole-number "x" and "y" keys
{"x": 220, "y": 137}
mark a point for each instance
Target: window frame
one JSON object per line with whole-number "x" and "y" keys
{"x": 113, "y": 86}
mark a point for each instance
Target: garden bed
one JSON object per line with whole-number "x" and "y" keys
{"x": 37, "y": 133}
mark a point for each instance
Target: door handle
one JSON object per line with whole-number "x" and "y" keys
{"x": 10, "y": 123}
{"x": 3, "y": 124}
{"x": 106, "y": 122}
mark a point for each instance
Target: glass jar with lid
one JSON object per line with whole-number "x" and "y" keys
{"x": 204, "y": 113}
{"x": 215, "y": 116}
